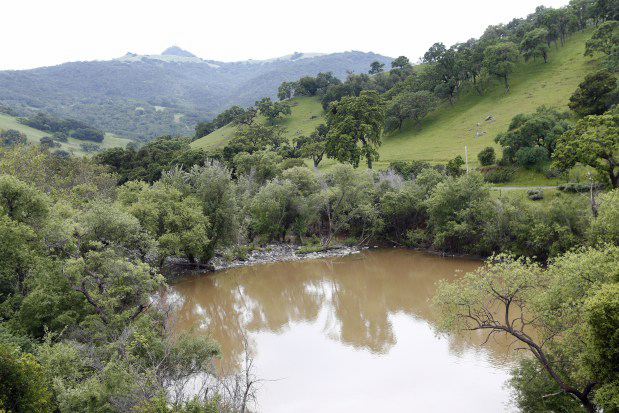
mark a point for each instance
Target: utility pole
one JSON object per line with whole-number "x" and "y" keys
{"x": 466, "y": 155}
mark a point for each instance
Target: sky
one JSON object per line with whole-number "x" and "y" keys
{"x": 50, "y": 32}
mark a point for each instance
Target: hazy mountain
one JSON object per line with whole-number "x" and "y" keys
{"x": 143, "y": 96}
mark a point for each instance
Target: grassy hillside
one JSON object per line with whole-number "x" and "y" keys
{"x": 446, "y": 131}
{"x": 73, "y": 145}
{"x": 449, "y": 129}
{"x": 306, "y": 114}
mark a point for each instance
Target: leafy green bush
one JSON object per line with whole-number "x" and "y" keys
{"x": 487, "y": 156}
{"x": 535, "y": 194}
{"x": 531, "y": 156}
{"x": 499, "y": 175}
{"x": 22, "y": 385}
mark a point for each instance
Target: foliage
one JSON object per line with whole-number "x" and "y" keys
{"x": 212, "y": 184}
{"x": 528, "y": 297}
{"x": 594, "y": 142}
{"x": 58, "y": 176}
{"x": 355, "y": 127}
{"x": 75, "y": 129}
{"x": 486, "y": 156}
{"x": 114, "y": 97}
{"x": 546, "y": 231}
{"x": 254, "y": 138}
{"x": 458, "y": 208}
{"x": 348, "y": 199}
{"x": 535, "y": 194}
{"x": 174, "y": 220}
{"x": 534, "y": 44}
{"x": 593, "y": 94}
{"x": 12, "y": 137}
{"x": 499, "y": 174}
{"x": 602, "y": 316}
{"x": 408, "y": 170}
{"x": 604, "y": 39}
{"x": 285, "y": 90}
{"x": 272, "y": 110}
{"x": 261, "y": 165}
{"x": 276, "y": 208}
{"x": 152, "y": 159}
{"x": 499, "y": 60}
{"x": 536, "y": 391}
{"x": 403, "y": 209}
{"x": 605, "y": 226}
{"x": 376, "y": 67}
{"x": 410, "y": 105}
{"x": 23, "y": 388}
{"x": 454, "y": 166}
{"x": 313, "y": 146}
{"x": 531, "y": 138}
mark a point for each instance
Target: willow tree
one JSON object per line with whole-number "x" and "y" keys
{"x": 355, "y": 127}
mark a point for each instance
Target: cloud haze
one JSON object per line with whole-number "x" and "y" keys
{"x": 43, "y": 33}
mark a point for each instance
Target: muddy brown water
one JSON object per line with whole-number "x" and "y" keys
{"x": 348, "y": 334}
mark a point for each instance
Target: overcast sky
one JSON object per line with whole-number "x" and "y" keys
{"x": 49, "y": 32}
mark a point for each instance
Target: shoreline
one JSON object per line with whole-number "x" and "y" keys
{"x": 272, "y": 253}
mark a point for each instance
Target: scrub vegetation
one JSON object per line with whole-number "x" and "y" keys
{"x": 90, "y": 243}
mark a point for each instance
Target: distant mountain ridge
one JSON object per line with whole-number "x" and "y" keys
{"x": 143, "y": 96}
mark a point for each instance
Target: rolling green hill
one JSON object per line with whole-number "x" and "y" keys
{"x": 449, "y": 129}
{"x": 73, "y": 145}
{"x": 446, "y": 131}
{"x": 306, "y": 114}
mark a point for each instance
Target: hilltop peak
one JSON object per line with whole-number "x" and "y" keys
{"x": 177, "y": 51}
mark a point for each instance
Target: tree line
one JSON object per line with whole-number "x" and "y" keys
{"x": 84, "y": 249}
{"x": 361, "y": 107}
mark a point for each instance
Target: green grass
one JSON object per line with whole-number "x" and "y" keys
{"x": 306, "y": 114}
{"x": 449, "y": 129}
{"x": 72, "y": 145}
{"x": 446, "y": 131}
{"x": 549, "y": 196}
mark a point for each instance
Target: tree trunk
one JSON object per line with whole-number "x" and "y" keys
{"x": 589, "y": 407}
{"x": 506, "y": 84}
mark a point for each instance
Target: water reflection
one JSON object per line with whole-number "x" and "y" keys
{"x": 358, "y": 292}
{"x": 348, "y": 334}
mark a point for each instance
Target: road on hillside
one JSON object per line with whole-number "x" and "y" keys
{"x": 513, "y": 188}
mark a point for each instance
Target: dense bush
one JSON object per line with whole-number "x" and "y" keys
{"x": 486, "y": 156}
{"x": 535, "y": 194}
{"x": 499, "y": 175}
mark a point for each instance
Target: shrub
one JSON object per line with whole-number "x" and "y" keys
{"x": 531, "y": 156}
{"x": 499, "y": 175}
{"x": 605, "y": 227}
{"x": 535, "y": 194}
{"x": 487, "y": 156}
{"x": 454, "y": 166}
{"x": 574, "y": 187}
{"x": 23, "y": 387}
{"x": 553, "y": 173}
{"x": 409, "y": 169}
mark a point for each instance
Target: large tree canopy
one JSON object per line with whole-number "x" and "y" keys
{"x": 355, "y": 128}
{"x": 500, "y": 59}
{"x": 593, "y": 95}
{"x": 594, "y": 142}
